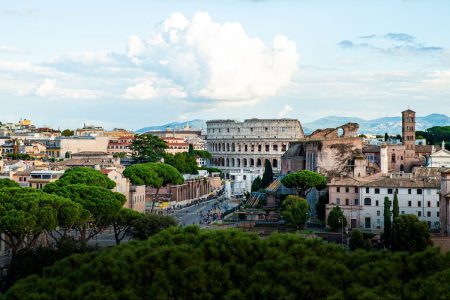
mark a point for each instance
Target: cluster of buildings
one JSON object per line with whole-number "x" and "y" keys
{"x": 34, "y": 157}
{"x": 361, "y": 171}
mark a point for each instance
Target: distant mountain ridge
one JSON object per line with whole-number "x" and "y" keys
{"x": 391, "y": 125}
{"x": 194, "y": 124}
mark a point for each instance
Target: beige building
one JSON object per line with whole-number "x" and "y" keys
{"x": 64, "y": 147}
{"x": 243, "y": 147}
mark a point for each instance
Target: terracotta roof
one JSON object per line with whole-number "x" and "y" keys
{"x": 426, "y": 148}
{"x": 106, "y": 171}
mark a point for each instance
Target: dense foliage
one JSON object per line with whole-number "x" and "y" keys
{"x": 336, "y": 219}
{"x": 148, "y": 148}
{"x": 435, "y": 135}
{"x": 227, "y": 264}
{"x": 151, "y": 224}
{"x": 387, "y": 232}
{"x": 303, "y": 181}
{"x": 295, "y": 211}
{"x": 321, "y": 205}
{"x": 8, "y": 183}
{"x": 184, "y": 162}
{"x": 67, "y": 132}
{"x": 25, "y": 214}
{"x": 82, "y": 175}
{"x": 410, "y": 234}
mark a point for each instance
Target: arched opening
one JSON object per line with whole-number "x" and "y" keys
{"x": 252, "y": 162}
{"x": 393, "y": 158}
{"x": 245, "y": 148}
{"x": 402, "y": 168}
{"x": 244, "y": 162}
{"x": 238, "y": 162}
{"x": 228, "y": 147}
{"x": 233, "y": 149}
{"x": 239, "y": 147}
{"x": 367, "y": 201}
{"x": 275, "y": 163}
{"x": 232, "y": 162}
{"x": 228, "y": 162}
{"x": 258, "y": 162}
{"x": 259, "y": 148}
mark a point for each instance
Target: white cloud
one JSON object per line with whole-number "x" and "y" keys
{"x": 215, "y": 61}
{"x": 147, "y": 89}
{"x": 286, "y": 109}
{"x": 11, "y": 50}
{"x": 49, "y": 88}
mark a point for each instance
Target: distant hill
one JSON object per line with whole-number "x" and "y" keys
{"x": 194, "y": 124}
{"x": 391, "y": 125}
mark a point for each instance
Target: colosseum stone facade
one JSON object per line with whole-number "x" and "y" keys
{"x": 243, "y": 147}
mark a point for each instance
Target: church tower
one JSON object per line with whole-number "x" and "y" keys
{"x": 409, "y": 137}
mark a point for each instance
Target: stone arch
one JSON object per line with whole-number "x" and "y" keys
{"x": 238, "y": 162}
{"x": 244, "y": 162}
{"x": 252, "y": 162}
{"x": 258, "y": 162}
{"x": 233, "y": 148}
{"x": 275, "y": 163}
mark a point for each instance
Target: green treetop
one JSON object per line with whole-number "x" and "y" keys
{"x": 303, "y": 181}
{"x": 295, "y": 211}
{"x": 268, "y": 174}
{"x": 148, "y": 148}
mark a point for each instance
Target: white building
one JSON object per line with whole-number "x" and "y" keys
{"x": 362, "y": 200}
{"x": 440, "y": 159}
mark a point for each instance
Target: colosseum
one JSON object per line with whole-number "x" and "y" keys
{"x": 243, "y": 147}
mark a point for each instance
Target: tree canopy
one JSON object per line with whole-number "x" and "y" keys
{"x": 151, "y": 224}
{"x": 67, "y": 132}
{"x": 184, "y": 162}
{"x": 336, "y": 219}
{"x": 83, "y": 175}
{"x": 26, "y": 213}
{"x": 153, "y": 175}
{"x": 295, "y": 211}
{"x": 147, "y": 148}
{"x": 189, "y": 263}
{"x": 303, "y": 181}
{"x": 8, "y": 183}
{"x": 123, "y": 223}
{"x": 435, "y": 135}
{"x": 410, "y": 234}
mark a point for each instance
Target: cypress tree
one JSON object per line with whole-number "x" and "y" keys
{"x": 191, "y": 149}
{"x": 387, "y": 223}
{"x": 268, "y": 174}
{"x": 256, "y": 185}
{"x": 395, "y": 208}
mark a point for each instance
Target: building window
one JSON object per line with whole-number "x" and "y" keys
{"x": 419, "y": 213}
{"x": 409, "y": 203}
{"x": 338, "y": 189}
{"x": 347, "y": 202}
{"x": 390, "y": 191}
{"x": 429, "y": 214}
{"x": 377, "y": 191}
{"x": 275, "y": 147}
{"x": 419, "y": 191}
{"x": 437, "y": 214}
{"x": 437, "y": 203}
{"x": 429, "y": 203}
{"x": 356, "y": 202}
{"x": 419, "y": 203}
{"x": 367, "y": 201}
{"x": 409, "y": 191}
{"x": 367, "y": 222}
{"x": 356, "y": 189}
{"x": 347, "y": 189}
{"x": 338, "y": 201}
{"x": 376, "y": 203}
{"x": 367, "y": 190}
{"x": 267, "y": 148}
{"x": 378, "y": 213}
{"x": 403, "y": 212}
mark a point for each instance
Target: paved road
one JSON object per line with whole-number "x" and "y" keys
{"x": 191, "y": 215}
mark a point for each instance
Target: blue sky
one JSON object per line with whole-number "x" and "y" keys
{"x": 137, "y": 63}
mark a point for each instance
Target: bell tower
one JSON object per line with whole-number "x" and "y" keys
{"x": 409, "y": 137}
